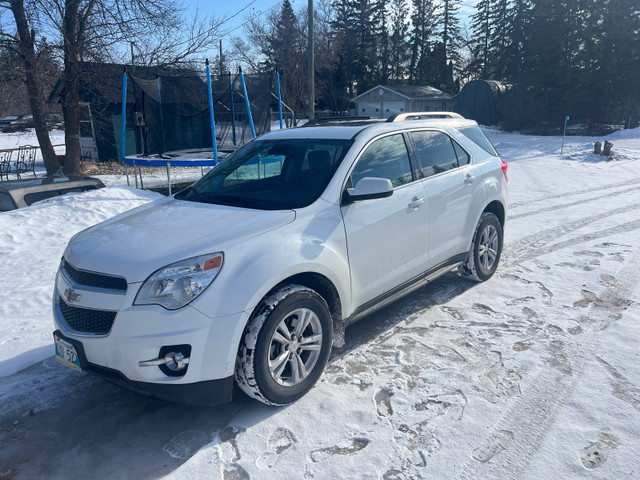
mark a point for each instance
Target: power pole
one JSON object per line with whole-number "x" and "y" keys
{"x": 221, "y": 63}
{"x": 312, "y": 94}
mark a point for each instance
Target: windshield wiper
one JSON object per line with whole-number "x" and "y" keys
{"x": 218, "y": 199}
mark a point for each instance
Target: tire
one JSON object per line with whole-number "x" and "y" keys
{"x": 485, "y": 251}
{"x": 273, "y": 365}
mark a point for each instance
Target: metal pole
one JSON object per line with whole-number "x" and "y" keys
{"x": 279, "y": 97}
{"x": 213, "y": 123}
{"x": 169, "y": 176}
{"x": 233, "y": 111}
{"x": 312, "y": 95}
{"x": 123, "y": 122}
{"x": 164, "y": 146}
{"x": 246, "y": 101}
{"x": 566, "y": 119}
{"x": 221, "y": 66}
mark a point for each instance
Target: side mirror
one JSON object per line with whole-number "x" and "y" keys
{"x": 369, "y": 188}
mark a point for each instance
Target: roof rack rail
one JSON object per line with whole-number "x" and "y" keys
{"x": 401, "y": 117}
{"x": 340, "y": 120}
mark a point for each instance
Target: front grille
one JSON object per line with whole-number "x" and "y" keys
{"x": 84, "y": 320}
{"x": 96, "y": 280}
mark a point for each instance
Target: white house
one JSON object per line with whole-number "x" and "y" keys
{"x": 383, "y": 101}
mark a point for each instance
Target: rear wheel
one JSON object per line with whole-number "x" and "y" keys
{"x": 285, "y": 347}
{"x": 485, "y": 251}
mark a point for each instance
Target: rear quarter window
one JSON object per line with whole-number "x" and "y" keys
{"x": 479, "y": 138}
{"x": 6, "y": 202}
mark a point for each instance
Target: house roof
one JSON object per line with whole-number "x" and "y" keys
{"x": 411, "y": 92}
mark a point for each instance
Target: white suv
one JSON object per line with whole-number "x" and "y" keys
{"x": 251, "y": 274}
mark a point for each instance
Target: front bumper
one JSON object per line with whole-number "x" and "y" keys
{"x": 211, "y": 392}
{"x": 139, "y": 333}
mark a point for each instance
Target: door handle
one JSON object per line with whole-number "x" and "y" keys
{"x": 416, "y": 202}
{"x": 468, "y": 179}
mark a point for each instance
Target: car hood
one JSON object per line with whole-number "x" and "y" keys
{"x": 136, "y": 243}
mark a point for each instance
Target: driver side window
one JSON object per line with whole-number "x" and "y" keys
{"x": 386, "y": 157}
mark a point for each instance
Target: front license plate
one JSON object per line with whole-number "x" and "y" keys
{"x": 66, "y": 353}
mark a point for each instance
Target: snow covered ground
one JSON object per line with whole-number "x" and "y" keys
{"x": 533, "y": 374}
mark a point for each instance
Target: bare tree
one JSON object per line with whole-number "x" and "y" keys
{"x": 98, "y": 29}
{"x": 24, "y": 42}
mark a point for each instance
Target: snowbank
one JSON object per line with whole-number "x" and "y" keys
{"x": 629, "y": 134}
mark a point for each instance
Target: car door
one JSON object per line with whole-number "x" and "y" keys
{"x": 387, "y": 238}
{"x": 454, "y": 189}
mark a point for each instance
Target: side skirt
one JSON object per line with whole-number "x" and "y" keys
{"x": 405, "y": 288}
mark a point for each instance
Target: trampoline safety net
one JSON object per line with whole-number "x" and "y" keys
{"x": 171, "y": 112}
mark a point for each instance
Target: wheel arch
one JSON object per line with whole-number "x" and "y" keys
{"x": 321, "y": 284}
{"x": 498, "y": 210}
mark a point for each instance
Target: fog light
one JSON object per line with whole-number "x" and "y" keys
{"x": 175, "y": 361}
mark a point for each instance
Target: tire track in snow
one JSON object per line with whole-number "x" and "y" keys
{"x": 577, "y": 192}
{"x": 554, "y": 208}
{"x": 521, "y": 431}
{"x": 537, "y": 244}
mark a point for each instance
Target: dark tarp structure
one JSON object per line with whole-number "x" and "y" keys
{"x": 480, "y": 100}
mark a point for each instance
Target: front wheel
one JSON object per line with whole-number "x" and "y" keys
{"x": 286, "y": 346}
{"x": 485, "y": 251}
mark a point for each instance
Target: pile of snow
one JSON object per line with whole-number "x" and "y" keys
{"x": 629, "y": 134}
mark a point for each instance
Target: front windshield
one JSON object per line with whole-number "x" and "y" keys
{"x": 271, "y": 174}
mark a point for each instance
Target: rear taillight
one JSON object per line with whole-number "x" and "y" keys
{"x": 504, "y": 169}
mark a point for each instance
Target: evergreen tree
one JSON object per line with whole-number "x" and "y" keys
{"x": 343, "y": 27}
{"x": 451, "y": 41}
{"x": 481, "y": 28}
{"x": 516, "y": 31}
{"x": 399, "y": 53}
{"x": 422, "y": 29}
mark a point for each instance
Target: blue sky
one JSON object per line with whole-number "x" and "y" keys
{"x": 238, "y": 10}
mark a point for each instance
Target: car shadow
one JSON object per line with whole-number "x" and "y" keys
{"x": 56, "y": 422}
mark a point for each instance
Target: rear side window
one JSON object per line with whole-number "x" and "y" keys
{"x": 384, "y": 158}
{"x": 30, "y": 198}
{"x": 479, "y": 138}
{"x": 435, "y": 152}
{"x": 6, "y": 202}
{"x": 463, "y": 157}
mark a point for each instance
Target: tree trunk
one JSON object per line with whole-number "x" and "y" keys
{"x": 72, "y": 96}
{"x": 71, "y": 116}
{"x": 26, "y": 41}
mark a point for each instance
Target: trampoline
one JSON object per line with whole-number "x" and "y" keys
{"x": 185, "y": 158}
{"x": 180, "y": 132}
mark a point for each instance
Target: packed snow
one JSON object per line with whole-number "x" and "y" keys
{"x": 532, "y": 374}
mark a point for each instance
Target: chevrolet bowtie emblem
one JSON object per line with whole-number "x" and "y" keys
{"x": 71, "y": 296}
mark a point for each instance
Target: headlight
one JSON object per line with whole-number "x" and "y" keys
{"x": 176, "y": 285}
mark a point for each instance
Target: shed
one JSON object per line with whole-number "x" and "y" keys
{"x": 479, "y": 100}
{"x": 383, "y": 101}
